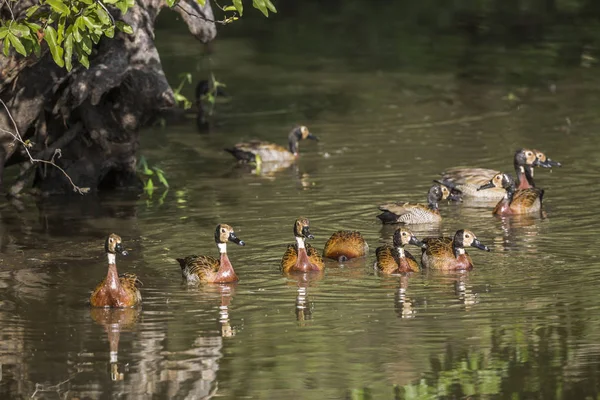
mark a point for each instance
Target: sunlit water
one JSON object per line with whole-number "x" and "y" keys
{"x": 523, "y": 324}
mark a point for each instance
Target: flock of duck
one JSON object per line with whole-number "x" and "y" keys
{"x": 518, "y": 196}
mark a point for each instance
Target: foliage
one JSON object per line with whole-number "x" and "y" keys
{"x": 146, "y": 173}
{"x": 72, "y": 27}
{"x": 180, "y": 98}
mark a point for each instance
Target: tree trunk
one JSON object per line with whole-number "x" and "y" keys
{"x": 92, "y": 115}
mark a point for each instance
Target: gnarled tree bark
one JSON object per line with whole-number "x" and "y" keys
{"x": 93, "y": 115}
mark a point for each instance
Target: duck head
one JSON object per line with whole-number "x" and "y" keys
{"x": 404, "y": 236}
{"x": 113, "y": 245}
{"x": 223, "y": 234}
{"x": 439, "y": 192}
{"x": 500, "y": 180}
{"x": 544, "y": 161}
{"x": 302, "y": 229}
{"x": 449, "y": 191}
{"x": 465, "y": 238}
{"x": 297, "y": 134}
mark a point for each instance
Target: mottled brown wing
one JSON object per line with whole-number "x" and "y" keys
{"x": 437, "y": 246}
{"x": 290, "y": 257}
{"x": 199, "y": 265}
{"x": 526, "y": 198}
{"x": 471, "y": 176}
{"x": 130, "y": 280}
{"x": 130, "y": 283}
{"x": 350, "y": 244}
{"x": 387, "y": 258}
{"x": 314, "y": 256}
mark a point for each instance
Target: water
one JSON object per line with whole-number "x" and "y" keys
{"x": 522, "y": 324}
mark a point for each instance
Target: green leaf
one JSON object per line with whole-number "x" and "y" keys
{"x": 61, "y": 29}
{"x": 239, "y": 6}
{"x": 260, "y": 4}
{"x": 229, "y": 8}
{"x": 202, "y": 2}
{"x": 33, "y": 26}
{"x": 111, "y": 1}
{"x": 55, "y": 49}
{"x": 77, "y": 27}
{"x": 6, "y": 48}
{"x": 59, "y": 7}
{"x": 31, "y": 10}
{"x": 160, "y": 174}
{"x": 16, "y": 43}
{"x": 122, "y": 6}
{"x": 69, "y": 52}
{"x": 90, "y": 24}
{"x": 149, "y": 188}
{"x": 83, "y": 59}
{"x": 123, "y": 27}
{"x": 270, "y": 6}
{"x": 171, "y": 3}
{"x": 86, "y": 45}
{"x": 3, "y": 32}
{"x": 109, "y": 32}
{"x": 20, "y": 30}
{"x": 103, "y": 16}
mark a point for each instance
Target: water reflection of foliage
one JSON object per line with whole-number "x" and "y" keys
{"x": 520, "y": 360}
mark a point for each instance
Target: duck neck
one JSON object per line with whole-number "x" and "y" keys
{"x": 400, "y": 251}
{"x": 293, "y": 138}
{"x": 112, "y": 277}
{"x": 458, "y": 250}
{"x": 300, "y": 242}
{"x": 226, "y": 272}
{"x": 510, "y": 193}
{"x": 528, "y": 181}
{"x": 432, "y": 201}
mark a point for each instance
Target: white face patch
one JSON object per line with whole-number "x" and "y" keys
{"x": 222, "y": 247}
{"x": 300, "y": 242}
{"x": 111, "y": 258}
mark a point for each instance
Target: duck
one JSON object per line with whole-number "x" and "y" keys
{"x": 301, "y": 257}
{"x": 116, "y": 291}
{"x": 514, "y": 201}
{"x": 394, "y": 259}
{"x": 412, "y": 213}
{"x": 469, "y": 179}
{"x": 258, "y": 152}
{"x": 448, "y": 254}
{"x": 206, "y": 269}
{"x": 344, "y": 245}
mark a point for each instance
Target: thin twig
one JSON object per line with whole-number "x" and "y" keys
{"x": 199, "y": 16}
{"x": 105, "y": 9}
{"x": 9, "y": 9}
{"x": 57, "y": 153}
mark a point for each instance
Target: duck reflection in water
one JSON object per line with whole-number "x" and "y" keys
{"x": 304, "y": 305}
{"x": 520, "y": 232}
{"x": 114, "y": 320}
{"x": 403, "y": 304}
{"x": 226, "y": 292}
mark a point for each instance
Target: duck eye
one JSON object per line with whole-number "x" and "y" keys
{"x": 403, "y": 233}
{"x": 467, "y": 236}
{"x": 222, "y": 230}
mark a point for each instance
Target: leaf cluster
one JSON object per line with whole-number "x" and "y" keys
{"x": 69, "y": 27}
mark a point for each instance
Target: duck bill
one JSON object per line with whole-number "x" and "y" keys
{"x": 549, "y": 163}
{"x": 306, "y": 233}
{"x": 488, "y": 185}
{"x": 413, "y": 240}
{"x": 477, "y": 244}
{"x": 236, "y": 240}
{"x": 119, "y": 249}
{"x": 455, "y": 195}
{"x": 313, "y": 137}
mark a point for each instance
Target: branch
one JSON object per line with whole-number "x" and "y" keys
{"x": 57, "y": 153}
{"x": 202, "y": 17}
